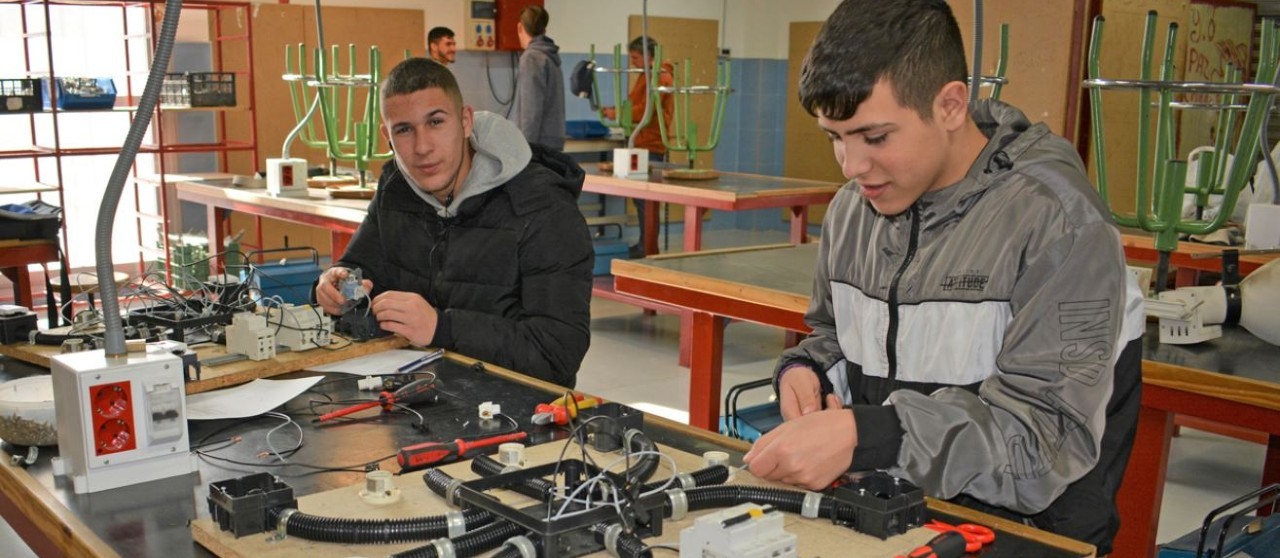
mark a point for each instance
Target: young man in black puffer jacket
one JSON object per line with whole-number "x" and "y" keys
{"x": 474, "y": 242}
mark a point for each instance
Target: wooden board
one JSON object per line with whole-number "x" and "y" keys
{"x": 235, "y": 373}
{"x": 816, "y": 537}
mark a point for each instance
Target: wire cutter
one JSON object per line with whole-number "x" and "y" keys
{"x": 975, "y": 536}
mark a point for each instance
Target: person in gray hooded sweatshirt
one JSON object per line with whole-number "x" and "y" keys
{"x": 473, "y": 242}
{"x": 539, "y": 103}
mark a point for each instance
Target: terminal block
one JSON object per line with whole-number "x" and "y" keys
{"x": 242, "y": 505}
{"x": 299, "y": 327}
{"x": 883, "y": 505}
{"x": 250, "y": 336}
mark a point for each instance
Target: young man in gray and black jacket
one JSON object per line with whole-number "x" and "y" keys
{"x": 473, "y": 242}
{"x": 974, "y": 327}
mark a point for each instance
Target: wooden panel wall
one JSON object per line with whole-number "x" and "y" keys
{"x": 274, "y": 26}
{"x": 694, "y": 40}
{"x": 1040, "y": 39}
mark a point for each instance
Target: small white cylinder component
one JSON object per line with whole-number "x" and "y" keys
{"x": 713, "y": 458}
{"x": 511, "y": 454}
{"x": 379, "y": 488}
{"x": 489, "y": 409}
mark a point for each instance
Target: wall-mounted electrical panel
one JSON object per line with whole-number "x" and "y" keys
{"x": 491, "y": 24}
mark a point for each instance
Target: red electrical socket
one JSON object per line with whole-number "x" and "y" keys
{"x": 113, "y": 428}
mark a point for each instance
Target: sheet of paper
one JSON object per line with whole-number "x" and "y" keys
{"x": 377, "y": 364}
{"x": 246, "y": 400}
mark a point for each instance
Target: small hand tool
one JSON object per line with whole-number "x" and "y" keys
{"x": 424, "y": 390}
{"x": 417, "y": 456}
{"x": 556, "y": 413}
{"x": 950, "y": 544}
{"x": 975, "y": 536}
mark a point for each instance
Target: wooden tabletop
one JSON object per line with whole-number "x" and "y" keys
{"x": 731, "y": 191}
{"x": 218, "y": 190}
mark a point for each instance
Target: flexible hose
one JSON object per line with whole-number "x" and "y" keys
{"x": 647, "y": 464}
{"x": 114, "y": 334}
{"x": 627, "y": 545}
{"x": 376, "y": 531}
{"x": 707, "y": 476}
{"x": 473, "y": 543}
{"x": 790, "y": 501}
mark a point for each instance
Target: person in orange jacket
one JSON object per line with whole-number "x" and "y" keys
{"x": 650, "y": 137}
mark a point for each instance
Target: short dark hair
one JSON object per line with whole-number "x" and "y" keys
{"x": 416, "y": 74}
{"x": 438, "y": 33}
{"x": 915, "y": 44}
{"x": 535, "y": 20}
{"x": 637, "y": 45}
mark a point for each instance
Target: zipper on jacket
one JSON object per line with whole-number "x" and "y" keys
{"x": 891, "y": 340}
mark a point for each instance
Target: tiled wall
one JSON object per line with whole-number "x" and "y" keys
{"x": 751, "y": 139}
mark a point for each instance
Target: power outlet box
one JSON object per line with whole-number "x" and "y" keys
{"x": 121, "y": 420}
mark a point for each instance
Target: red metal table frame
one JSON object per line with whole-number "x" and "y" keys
{"x": 339, "y": 217}
{"x": 1168, "y": 390}
{"x": 730, "y": 192}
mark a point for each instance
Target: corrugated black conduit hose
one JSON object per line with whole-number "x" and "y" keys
{"x": 471, "y": 544}
{"x": 374, "y": 531}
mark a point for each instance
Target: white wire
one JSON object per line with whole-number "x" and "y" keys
{"x": 288, "y": 420}
{"x": 572, "y": 497}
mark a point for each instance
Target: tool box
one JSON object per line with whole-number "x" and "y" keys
{"x": 30, "y": 220}
{"x": 1230, "y": 530}
{"x": 284, "y": 281}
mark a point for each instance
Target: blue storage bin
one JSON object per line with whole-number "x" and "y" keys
{"x": 606, "y": 252}
{"x": 752, "y": 422}
{"x": 81, "y": 93}
{"x": 291, "y": 281}
{"x": 585, "y": 129}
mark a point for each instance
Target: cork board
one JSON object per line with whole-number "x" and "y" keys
{"x": 808, "y": 151}
{"x": 1037, "y": 69}
{"x": 393, "y": 31}
{"x": 1218, "y": 33}
{"x": 816, "y": 537}
{"x": 1121, "y": 57}
{"x": 681, "y": 39}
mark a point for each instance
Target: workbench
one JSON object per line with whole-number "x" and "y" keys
{"x": 1232, "y": 381}
{"x": 152, "y": 519}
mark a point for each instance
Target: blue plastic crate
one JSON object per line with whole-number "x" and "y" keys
{"x": 606, "y": 252}
{"x": 1263, "y": 544}
{"x": 752, "y": 422}
{"x": 585, "y": 129}
{"x": 81, "y": 93}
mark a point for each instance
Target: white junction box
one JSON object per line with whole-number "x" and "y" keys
{"x": 299, "y": 327}
{"x": 631, "y": 163}
{"x": 744, "y": 531}
{"x": 287, "y": 177}
{"x": 249, "y": 335}
{"x": 121, "y": 420}
{"x": 1262, "y": 226}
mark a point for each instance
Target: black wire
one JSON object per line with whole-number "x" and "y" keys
{"x": 489, "y": 79}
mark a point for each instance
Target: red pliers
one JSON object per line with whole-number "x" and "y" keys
{"x": 975, "y": 536}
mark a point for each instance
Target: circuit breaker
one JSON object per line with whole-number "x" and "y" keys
{"x": 744, "y": 531}
{"x": 300, "y": 327}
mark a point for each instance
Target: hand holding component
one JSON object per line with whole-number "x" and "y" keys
{"x": 809, "y": 451}
{"x": 328, "y": 294}
{"x": 975, "y": 536}
{"x": 799, "y": 392}
{"x": 427, "y": 454}
{"x": 407, "y": 315}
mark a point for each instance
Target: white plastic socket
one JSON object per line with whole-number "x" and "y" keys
{"x": 379, "y": 488}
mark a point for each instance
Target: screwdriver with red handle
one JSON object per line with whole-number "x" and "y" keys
{"x": 417, "y": 456}
{"x": 417, "y": 391}
{"x": 947, "y": 545}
